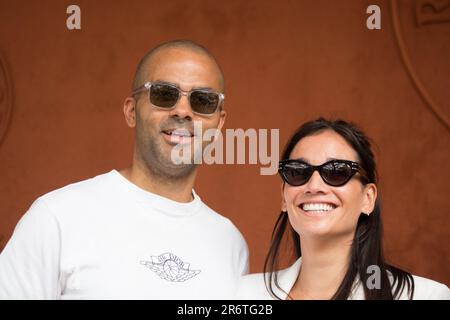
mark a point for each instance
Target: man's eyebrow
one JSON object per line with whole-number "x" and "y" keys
{"x": 176, "y": 85}
{"x": 164, "y": 82}
{"x": 203, "y": 88}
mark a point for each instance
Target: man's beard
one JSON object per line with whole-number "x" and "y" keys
{"x": 151, "y": 149}
{"x": 160, "y": 164}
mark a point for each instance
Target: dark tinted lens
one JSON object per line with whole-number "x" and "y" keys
{"x": 336, "y": 173}
{"x": 163, "y": 95}
{"x": 296, "y": 173}
{"x": 204, "y": 102}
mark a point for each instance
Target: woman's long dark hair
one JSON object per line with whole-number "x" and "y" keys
{"x": 366, "y": 249}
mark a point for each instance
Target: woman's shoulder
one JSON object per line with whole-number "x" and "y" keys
{"x": 427, "y": 289}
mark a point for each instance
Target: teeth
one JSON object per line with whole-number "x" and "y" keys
{"x": 322, "y": 207}
{"x": 180, "y": 133}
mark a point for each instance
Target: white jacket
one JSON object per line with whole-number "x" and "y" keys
{"x": 252, "y": 287}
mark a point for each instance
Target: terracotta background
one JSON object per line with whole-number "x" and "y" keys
{"x": 285, "y": 62}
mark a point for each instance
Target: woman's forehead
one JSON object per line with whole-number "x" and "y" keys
{"x": 323, "y": 146}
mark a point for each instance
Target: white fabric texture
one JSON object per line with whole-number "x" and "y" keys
{"x": 106, "y": 238}
{"x": 252, "y": 287}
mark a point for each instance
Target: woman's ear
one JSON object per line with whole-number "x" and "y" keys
{"x": 370, "y": 196}
{"x": 283, "y": 201}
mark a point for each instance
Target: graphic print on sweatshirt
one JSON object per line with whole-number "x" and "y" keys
{"x": 170, "y": 267}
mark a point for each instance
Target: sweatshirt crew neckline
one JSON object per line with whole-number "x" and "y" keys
{"x": 164, "y": 205}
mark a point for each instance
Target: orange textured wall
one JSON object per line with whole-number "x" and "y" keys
{"x": 285, "y": 62}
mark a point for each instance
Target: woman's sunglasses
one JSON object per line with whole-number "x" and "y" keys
{"x": 335, "y": 172}
{"x": 166, "y": 96}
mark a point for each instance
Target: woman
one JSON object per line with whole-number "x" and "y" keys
{"x": 331, "y": 211}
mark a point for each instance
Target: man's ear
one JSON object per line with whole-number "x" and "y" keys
{"x": 283, "y": 201}
{"x": 370, "y": 196}
{"x": 129, "y": 110}
{"x": 223, "y": 116}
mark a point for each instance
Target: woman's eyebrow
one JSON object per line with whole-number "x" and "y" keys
{"x": 343, "y": 158}
{"x": 302, "y": 160}
{"x": 326, "y": 160}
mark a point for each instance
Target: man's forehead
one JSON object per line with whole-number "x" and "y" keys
{"x": 184, "y": 67}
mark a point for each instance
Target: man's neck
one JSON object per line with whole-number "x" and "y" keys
{"x": 324, "y": 264}
{"x": 179, "y": 190}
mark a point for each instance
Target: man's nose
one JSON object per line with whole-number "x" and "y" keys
{"x": 182, "y": 108}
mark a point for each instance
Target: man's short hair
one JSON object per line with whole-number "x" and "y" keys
{"x": 140, "y": 75}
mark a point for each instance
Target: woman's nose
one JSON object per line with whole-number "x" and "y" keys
{"x": 315, "y": 184}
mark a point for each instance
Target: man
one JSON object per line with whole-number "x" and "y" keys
{"x": 139, "y": 233}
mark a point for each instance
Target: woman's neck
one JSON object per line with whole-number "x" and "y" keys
{"x": 324, "y": 264}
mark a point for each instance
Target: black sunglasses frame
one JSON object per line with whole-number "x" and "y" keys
{"x": 148, "y": 85}
{"x": 354, "y": 166}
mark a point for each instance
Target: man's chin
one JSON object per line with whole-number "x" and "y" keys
{"x": 179, "y": 171}
{"x": 163, "y": 161}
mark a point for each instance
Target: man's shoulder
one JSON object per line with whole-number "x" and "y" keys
{"x": 79, "y": 187}
{"x": 77, "y": 193}
{"x": 214, "y": 215}
{"x": 216, "y": 218}
{"x": 251, "y": 287}
{"x": 252, "y": 279}
{"x": 220, "y": 224}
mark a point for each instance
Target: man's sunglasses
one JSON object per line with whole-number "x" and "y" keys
{"x": 335, "y": 172}
{"x": 166, "y": 95}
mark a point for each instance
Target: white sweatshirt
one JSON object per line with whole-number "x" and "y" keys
{"x": 105, "y": 238}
